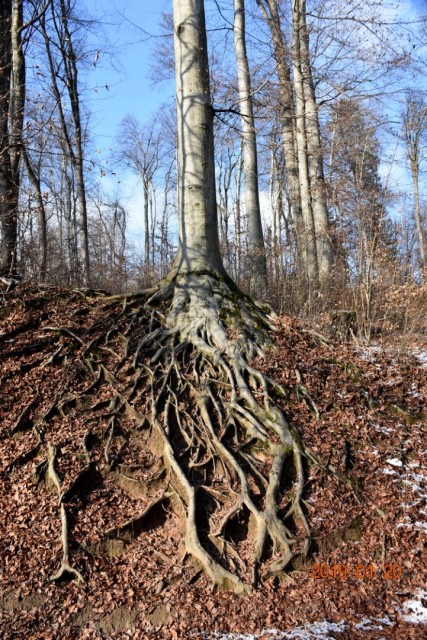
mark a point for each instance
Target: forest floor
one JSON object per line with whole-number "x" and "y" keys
{"x": 362, "y": 411}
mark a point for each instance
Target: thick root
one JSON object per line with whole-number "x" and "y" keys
{"x": 172, "y": 371}
{"x": 220, "y": 426}
{"x": 65, "y": 569}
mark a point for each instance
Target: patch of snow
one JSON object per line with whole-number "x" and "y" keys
{"x": 319, "y": 630}
{"x": 393, "y": 381}
{"x": 414, "y": 610}
{"x": 418, "y": 477}
{"x": 380, "y": 428}
{"x": 366, "y": 625}
{"x": 374, "y": 625}
{"x": 414, "y": 391}
{"x": 421, "y": 356}
{"x": 417, "y": 483}
{"x": 395, "y": 462}
{"x": 385, "y": 621}
{"x": 389, "y": 472}
{"x": 413, "y": 465}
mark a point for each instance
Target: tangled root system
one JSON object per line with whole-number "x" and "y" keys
{"x": 171, "y": 371}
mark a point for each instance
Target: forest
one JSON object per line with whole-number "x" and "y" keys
{"x": 328, "y": 209}
{"x": 213, "y": 399}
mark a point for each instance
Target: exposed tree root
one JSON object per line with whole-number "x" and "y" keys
{"x": 219, "y": 427}
{"x": 65, "y": 569}
{"x": 173, "y": 370}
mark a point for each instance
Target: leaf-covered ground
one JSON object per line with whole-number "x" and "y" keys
{"x": 361, "y": 412}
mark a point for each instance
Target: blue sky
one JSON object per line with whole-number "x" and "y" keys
{"x": 124, "y": 66}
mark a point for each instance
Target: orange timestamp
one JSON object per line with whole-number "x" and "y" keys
{"x": 360, "y": 571}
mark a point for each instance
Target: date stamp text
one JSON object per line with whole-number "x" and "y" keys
{"x": 360, "y": 571}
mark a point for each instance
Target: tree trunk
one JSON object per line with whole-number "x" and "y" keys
{"x": 257, "y": 257}
{"x": 12, "y": 99}
{"x": 146, "y": 187}
{"x": 41, "y": 214}
{"x": 295, "y": 161}
{"x": 73, "y": 139}
{"x": 238, "y": 218}
{"x": 302, "y": 155}
{"x": 70, "y": 66}
{"x": 197, "y": 211}
{"x": 415, "y": 171}
{"x": 309, "y": 112}
{"x": 415, "y": 127}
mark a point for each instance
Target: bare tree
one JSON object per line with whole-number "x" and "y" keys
{"x": 257, "y": 258}
{"x": 34, "y": 175}
{"x": 291, "y": 114}
{"x": 12, "y": 101}
{"x": 215, "y": 329}
{"x": 415, "y": 129}
{"x": 197, "y": 211}
{"x": 142, "y": 149}
{"x": 64, "y": 74}
{"x": 309, "y": 139}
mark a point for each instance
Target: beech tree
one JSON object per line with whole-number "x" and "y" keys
{"x": 309, "y": 142}
{"x": 415, "y": 129}
{"x": 214, "y": 415}
{"x": 62, "y": 57}
{"x": 12, "y": 100}
{"x": 257, "y": 258}
{"x": 294, "y": 140}
{"x": 141, "y": 149}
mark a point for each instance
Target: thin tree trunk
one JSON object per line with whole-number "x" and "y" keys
{"x": 197, "y": 210}
{"x": 302, "y": 155}
{"x": 296, "y": 169}
{"x": 238, "y": 216}
{"x": 146, "y": 221}
{"x": 415, "y": 126}
{"x": 74, "y": 147}
{"x": 12, "y": 101}
{"x": 41, "y": 211}
{"x": 276, "y": 203}
{"x": 257, "y": 257}
{"x": 417, "y": 212}
{"x": 70, "y": 65}
{"x": 313, "y": 140}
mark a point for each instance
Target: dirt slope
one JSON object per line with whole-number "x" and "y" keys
{"x": 362, "y": 414}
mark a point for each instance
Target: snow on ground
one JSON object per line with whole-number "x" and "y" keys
{"x": 319, "y": 631}
{"x": 369, "y": 353}
{"x": 421, "y": 356}
{"x": 417, "y": 482}
{"x": 414, "y": 610}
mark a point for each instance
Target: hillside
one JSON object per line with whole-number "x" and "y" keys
{"x": 107, "y": 560}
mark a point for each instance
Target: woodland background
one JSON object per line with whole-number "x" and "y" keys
{"x": 321, "y": 164}
{"x": 365, "y": 69}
